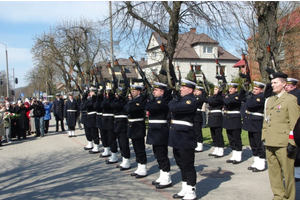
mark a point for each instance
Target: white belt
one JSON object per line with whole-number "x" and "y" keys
{"x": 198, "y": 109}
{"x": 180, "y": 122}
{"x": 91, "y": 113}
{"x": 157, "y": 121}
{"x": 99, "y": 113}
{"x": 215, "y": 111}
{"x": 254, "y": 113}
{"x": 136, "y": 120}
{"x": 108, "y": 115}
{"x": 71, "y": 110}
{"x": 121, "y": 116}
{"x": 231, "y": 112}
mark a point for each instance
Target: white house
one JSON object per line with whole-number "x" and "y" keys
{"x": 193, "y": 50}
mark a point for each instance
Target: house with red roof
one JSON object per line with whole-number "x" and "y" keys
{"x": 193, "y": 50}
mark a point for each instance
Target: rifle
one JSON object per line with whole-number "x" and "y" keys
{"x": 247, "y": 75}
{"x": 102, "y": 81}
{"x": 115, "y": 81}
{"x": 272, "y": 58}
{"x": 126, "y": 83}
{"x": 179, "y": 75}
{"x": 206, "y": 84}
{"x": 222, "y": 77}
{"x": 170, "y": 71}
{"x": 78, "y": 87}
{"x": 142, "y": 74}
{"x": 154, "y": 74}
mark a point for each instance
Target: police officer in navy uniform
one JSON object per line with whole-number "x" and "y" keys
{"x": 83, "y": 120}
{"x": 158, "y": 132}
{"x": 200, "y": 96}
{"x": 253, "y": 122}
{"x": 98, "y": 108}
{"x": 232, "y": 122}
{"x": 215, "y": 120}
{"x": 291, "y": 88}
{"x": 137, "y": 129}
{"x": 58, "y": 111}
{"x": 108, "y": 128}
{"x": 91, "y": 129}
{"x": 71, "y": 111}
{"x": 183, "y": 138}
{"x": 120, "y": 126}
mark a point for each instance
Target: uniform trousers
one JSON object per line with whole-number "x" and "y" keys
{"x": 256, "y": 145}
{"x": 217, "y": 136}
{"x": 161, "y": 155}
{"x": 279, "y": 166}
{"x": 104, "y": 138}
{"x": 235, "y": 140}
{"x": 139, "y": 150}
{"x": 198, "y": 130}
{"x": 71, "y": 128}
{"x": 124, "y": 144}
{"x": 91, "y": 133}
{"x": 61, "y": 124}
{"x": 112, "y": 139}
{"x": 185, "y": 159}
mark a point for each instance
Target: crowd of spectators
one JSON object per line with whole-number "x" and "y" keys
{"x": 20, "y": 119}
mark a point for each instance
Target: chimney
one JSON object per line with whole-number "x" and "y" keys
{"x": 193, "y": 30}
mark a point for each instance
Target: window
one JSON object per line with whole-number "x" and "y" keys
{"x": 153, "y": 54}
{"x": 207, "y": 49}
{"x": 221, "y": 71}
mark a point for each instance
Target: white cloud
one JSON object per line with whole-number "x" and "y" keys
{"x": 52, "y": 11}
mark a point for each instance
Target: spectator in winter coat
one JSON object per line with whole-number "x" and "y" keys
{"x": 47, "y": 117}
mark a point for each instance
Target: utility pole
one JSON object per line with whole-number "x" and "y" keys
{"x": 7, "y": 77}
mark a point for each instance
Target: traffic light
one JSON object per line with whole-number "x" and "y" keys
{"x": 13, "y": 92}
{"x": 16, "y": 80}
{"x": 1, "y": 82}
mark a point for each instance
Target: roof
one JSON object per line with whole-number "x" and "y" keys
{"x": 122, "y": 62}
{"x": 187, "y": 41}
{"x": 240, "y": 63}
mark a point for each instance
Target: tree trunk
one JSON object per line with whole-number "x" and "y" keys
{"x": 267, "y": 34}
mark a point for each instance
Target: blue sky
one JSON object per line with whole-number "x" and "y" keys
{"x": 20, "y": 21}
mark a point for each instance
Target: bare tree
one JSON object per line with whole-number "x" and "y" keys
{"x": 72, "y": 48}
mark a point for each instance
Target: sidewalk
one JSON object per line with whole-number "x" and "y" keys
{"x": 57, "y": 167}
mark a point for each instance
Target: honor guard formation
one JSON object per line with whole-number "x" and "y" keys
{"x": 164, "y": 117}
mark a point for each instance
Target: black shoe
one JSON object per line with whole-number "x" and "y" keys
{"x": 176, "y": 196}
{"x": 251, "y": 168}
{"x": 123, "y": 168}
{"x": 108, "y": 162}
{"x": 70, "y": 136}
{"x": 63, "y": 130}
{"x": 74, "y": 135}
{"x": 94, "y": 152}
{"x": 216, "y": 156}
{"x": 236, "y": 162}
{"x": 257, "y": 170}
{"x": 297, "y": 179}
{"x": 163, "y": 186}
{"x": 101, "y": 156}
{"x": 133, "y": 174}
{"x": 211, "y": 154}
{"x": 56, "y": 131}
{"x": 86, "y": 148}
{"x": 140, "y": 176}
{"x": 37, "y": 136}
{"x": 155, "y": 183}
{"x": 229, "y": 161}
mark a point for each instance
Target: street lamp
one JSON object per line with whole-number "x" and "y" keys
{"x": 7, "y": 78}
